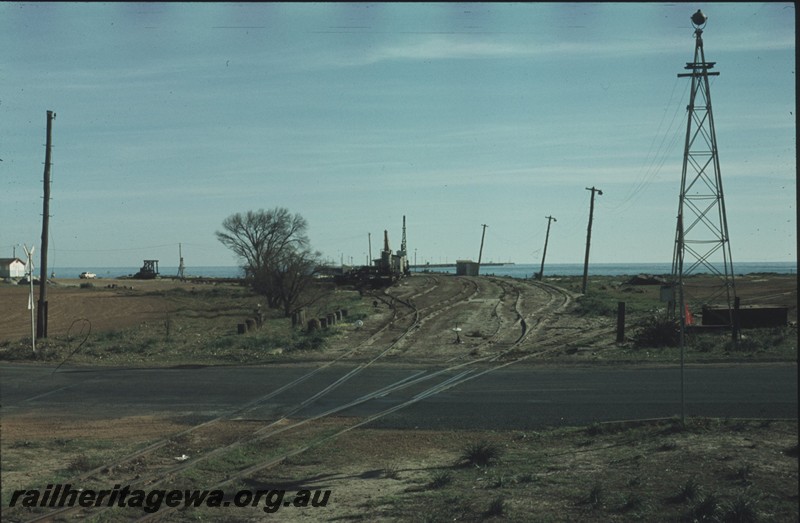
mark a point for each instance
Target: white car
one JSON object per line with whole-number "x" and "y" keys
{"x": 87, "y": 276}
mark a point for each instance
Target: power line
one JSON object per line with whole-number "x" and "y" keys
{"x": 128, "y": 249}
{"x": 654, "y": 163}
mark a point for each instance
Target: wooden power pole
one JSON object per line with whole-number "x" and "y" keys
{"x": 589, "y": 237}
{"x": 544, "y": 253}
{"x": 41, "y": 324}
{"x": 480, "y": 253}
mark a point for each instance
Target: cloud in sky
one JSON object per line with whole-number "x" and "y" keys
{"x": 463, "y": 47}
{"x": 171, "y": 118}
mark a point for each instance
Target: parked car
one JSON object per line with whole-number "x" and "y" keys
{"x": 87, "y": 276}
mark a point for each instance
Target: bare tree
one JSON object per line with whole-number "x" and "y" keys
{"x": 261, "y": 237}
{"x": 275, "y": 250}
{"x": 291, "y": 279}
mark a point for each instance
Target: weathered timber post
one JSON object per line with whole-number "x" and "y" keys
{"x": 41, "y": 324}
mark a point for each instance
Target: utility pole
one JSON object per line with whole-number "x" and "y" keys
{"x": 403, "y": 250}
{"x": 41, "y": 325}
{"x": 403, "y": 240}
{"x": 589, "y": 237}
{"x": 546, "y": 237}
{"x": 480, "y": 254}
{"x": 369, "y": 239}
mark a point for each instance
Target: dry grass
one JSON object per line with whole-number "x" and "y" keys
{"x": 645, "y": 471}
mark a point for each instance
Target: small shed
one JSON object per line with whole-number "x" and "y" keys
{"x": 12, "y": 268}
{"x": 467, "y": 268}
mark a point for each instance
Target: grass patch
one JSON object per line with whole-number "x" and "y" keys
{"x": 440, "y": 480}
{"x": 497, "y": 508}
{"x": 632, "y": 502}
{"x": 480, "y": 454}
{"x": 632, "y": 481}
{"x": 84, "y": 463}
{"x": 628, "y": 479}
{"x": 744, "y": 473}
{"x": 391, "y": 471}
{"x": 689, "y": 491}
{"x": 743, "y": 509}
{"x": 707, "y": 509}
{"x": 657, "y": 330}
{"x": 596, "y": 305}
{"x": 597, "y": 496}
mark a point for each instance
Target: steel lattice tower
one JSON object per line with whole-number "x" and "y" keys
{"x": 701, "y": 239}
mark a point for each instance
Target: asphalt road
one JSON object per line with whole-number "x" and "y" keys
{"x": 509, "y": 398}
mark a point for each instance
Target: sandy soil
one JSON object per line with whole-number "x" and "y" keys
{"x": 111, "y": 304}
{"x": 367, "y": 468}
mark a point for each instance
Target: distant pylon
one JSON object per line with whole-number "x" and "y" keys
{"x": 701, "y": 238}
{"x": 181, "y": 267}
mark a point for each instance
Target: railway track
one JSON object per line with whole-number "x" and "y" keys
{"x": 411, "y": 308}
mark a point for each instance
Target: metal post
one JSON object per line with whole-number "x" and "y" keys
{"x": 546, "y": 237}
{"x": 41, "y": 326}
{"x": 589, "y": 237}
{"x": 29, "y": 267}
{"x": 678, "y": 262}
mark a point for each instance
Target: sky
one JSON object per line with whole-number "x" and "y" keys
{"x": 172, "y": 116}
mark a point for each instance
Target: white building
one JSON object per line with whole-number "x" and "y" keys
{"x": 12, "y": 268}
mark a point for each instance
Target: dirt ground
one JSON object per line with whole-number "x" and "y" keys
{"x": 392, "y": 475}
{"x": 113, "y": 304}
{"x": 110, "y": 304}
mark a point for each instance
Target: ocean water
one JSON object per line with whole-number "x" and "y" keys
{"x": 514, "y": 271}
{"x": 116, "y": 272}
{"x": 618, "y": 269}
